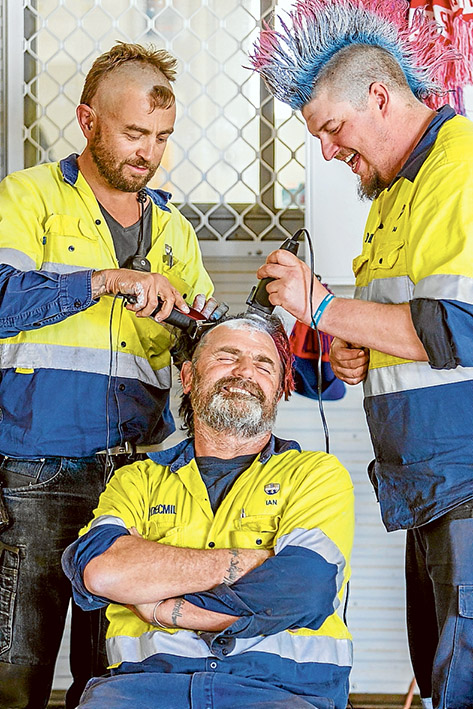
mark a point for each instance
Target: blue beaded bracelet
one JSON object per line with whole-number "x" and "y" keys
{"x": 318, "y": 313}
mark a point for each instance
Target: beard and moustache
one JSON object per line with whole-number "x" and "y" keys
{"x": 371, "y": 188}
{"x": 112, "y": 170}
{"x": 233, "y": 412}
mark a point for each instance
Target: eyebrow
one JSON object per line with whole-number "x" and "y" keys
{"x": 256, "y": 358}
{"x": 326, "y": 124}
{"x": 145, "y": 131}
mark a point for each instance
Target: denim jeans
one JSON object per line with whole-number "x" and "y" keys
{"x": 201, "y": 690}
{"x": 439, "y": 575}
{"x": 45, "y": 503}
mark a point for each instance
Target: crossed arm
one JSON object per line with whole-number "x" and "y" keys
{"x": 165, "y": 573}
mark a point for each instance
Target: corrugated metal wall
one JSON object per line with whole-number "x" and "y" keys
{"x": 376, "y": 605}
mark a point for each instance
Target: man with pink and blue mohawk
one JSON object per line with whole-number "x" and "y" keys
{"x": 366, "y": 84}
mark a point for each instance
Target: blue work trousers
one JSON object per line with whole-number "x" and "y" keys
{"x": 439, "y": 579}
{"x": 44, "y": 503}
{"x": 201, "y": 690}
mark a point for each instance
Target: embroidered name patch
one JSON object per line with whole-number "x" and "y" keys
{"x": 162, "y": 510}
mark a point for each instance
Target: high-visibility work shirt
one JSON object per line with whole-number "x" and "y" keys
{"x": 288, "y": 632}
{"x": 418, "y": 249}
{"x": 77, "y": 374}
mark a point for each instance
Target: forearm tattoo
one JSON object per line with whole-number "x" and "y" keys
{"x": 176, "y": 612}
{"x": 234, "y": 571}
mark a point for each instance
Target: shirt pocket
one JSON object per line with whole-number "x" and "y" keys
{"x": 166, "y": 534}
{"x": 388, "y": 257}
{"x": 176, "y": 276}
{"x": 255, "y": 532}
{"x": 67, "y": 240}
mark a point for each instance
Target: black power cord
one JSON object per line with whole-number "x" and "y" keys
{"x": 319, "y": 342}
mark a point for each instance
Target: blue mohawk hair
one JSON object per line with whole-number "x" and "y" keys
{"x": 290, "y": 60}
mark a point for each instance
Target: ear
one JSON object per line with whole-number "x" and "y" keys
{"x": 186, "y": 377}
{"x": 87, "y": 119}
{"x": 379, "y": 95}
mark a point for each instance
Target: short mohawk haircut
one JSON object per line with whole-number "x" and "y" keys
{"x": 291, "y": 60}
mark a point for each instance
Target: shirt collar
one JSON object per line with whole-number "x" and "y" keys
{"x": 70, "y": 173}
{"x": 418, "y": 156}
{"x": 183, "y": 453}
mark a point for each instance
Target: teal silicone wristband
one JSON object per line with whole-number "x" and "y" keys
{"x": 318, "y": 313}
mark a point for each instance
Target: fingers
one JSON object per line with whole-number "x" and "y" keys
{"x": 199, "y": 302}
{"x": 348, "y": 364}
{"x": 208, "y": 307}
{"x": 221, "y": 310}
{"x": 211, "y": 309}
{"x": 291, "y": 285}
{"x": 283, "y": 257}
{"x": 279, "y": 263}
{"x": 151, "y": 290}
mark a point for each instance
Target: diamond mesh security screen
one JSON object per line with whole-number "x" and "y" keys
{"x": 235, "y": 162}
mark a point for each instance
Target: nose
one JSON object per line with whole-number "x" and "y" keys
{"x": 329, "y": 149}
{"x": 146, "y": 148}
{"x": 244, "y": 367}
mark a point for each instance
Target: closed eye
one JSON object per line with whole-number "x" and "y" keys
{"x": 266, "y": 368}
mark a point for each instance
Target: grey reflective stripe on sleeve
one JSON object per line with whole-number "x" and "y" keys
{"x": 107, "y": 519}
{"x": 17, "y": 259}
{"x": 51, "y": 267}
{"x": 83, "y": 359}
{"x": 386, "y": 290}
{"x": 186, "y": 643}
{"x": 445, "y": 287}
{"x": 412, "y": 375}
{"x": 318, "y": 542}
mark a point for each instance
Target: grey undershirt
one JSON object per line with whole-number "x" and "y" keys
{"x": 125, "y": 239}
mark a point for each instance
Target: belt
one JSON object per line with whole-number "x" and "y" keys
{"x": 129, "y": 449}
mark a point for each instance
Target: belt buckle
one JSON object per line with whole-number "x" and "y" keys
{"x": 127, "y": 449}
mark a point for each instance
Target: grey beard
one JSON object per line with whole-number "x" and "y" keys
{"x": 372, "y": 189}
{"x": 239, "y": 417}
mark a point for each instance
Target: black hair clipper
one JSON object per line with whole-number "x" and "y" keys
{"x": 258, "y": 301}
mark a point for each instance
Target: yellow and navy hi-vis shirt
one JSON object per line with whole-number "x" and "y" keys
{"x": 289, "y": 632}
{"x": 418, "y": 248}
{"x": 54, "y": 367}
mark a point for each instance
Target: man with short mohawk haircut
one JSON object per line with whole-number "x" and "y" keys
{"x": 360, "y": 76}
{"x": 84, "y": 382}
{"x": 223, "y": 560}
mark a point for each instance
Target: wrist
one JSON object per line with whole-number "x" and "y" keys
{"x": 320, "y": 310}
{"x": 98, "y": 283}
{"x": 156, "y": 620}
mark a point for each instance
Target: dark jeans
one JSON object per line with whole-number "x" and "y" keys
{"x": 439, "y": 575}
{"x": 45, "y": 503}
